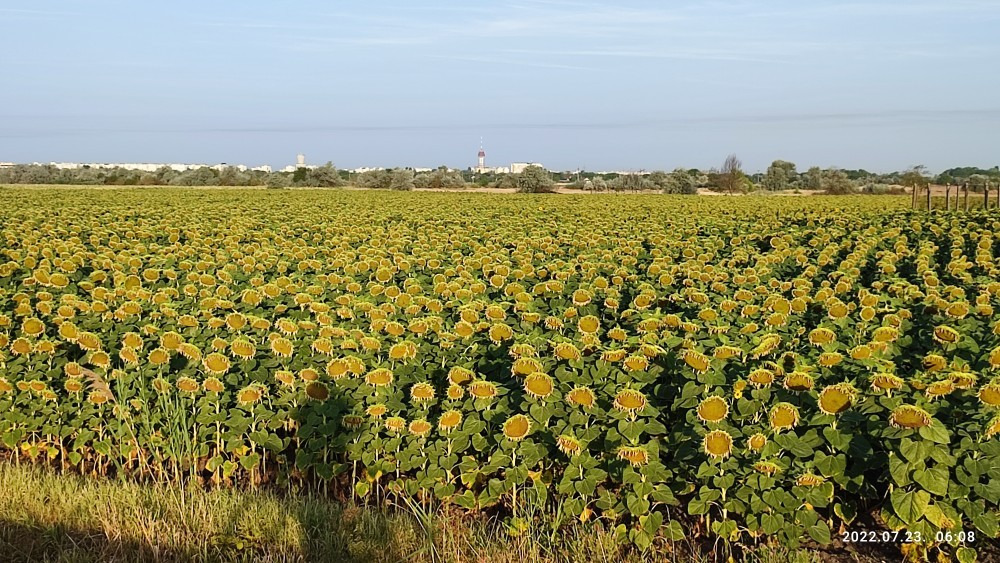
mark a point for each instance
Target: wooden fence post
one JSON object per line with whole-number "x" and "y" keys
{"x": 986, "y": 195}
{"x": 966, "y": 186}
{"x": 947, "y": 197}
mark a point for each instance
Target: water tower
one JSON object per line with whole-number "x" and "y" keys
{"x": 300, "y": 161}
{"x": 482, "y": 156}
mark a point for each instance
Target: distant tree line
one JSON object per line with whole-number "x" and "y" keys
{"x": 781, "y": 175}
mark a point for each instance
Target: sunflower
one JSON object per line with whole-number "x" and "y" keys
{"x": 100, "y": 359}
{"x": 636, "y": 455}
{"x": 249, "y": 394}
{"x": 422, "y": 392}
{"x": 581, "y": 297}
{"x": 393, "y": 423}
{"x": 132, "y": 340}
{"x": 517, "y": 427}
{"x": 783, "y": 416}
{"x": 612, "y": 356}
{"x": 934, "y": 362}
{"x": 757, "y": 442}
{"x": 835, "y": 399}
{"x": 885, "y": 334}
{"x": 32, "y": 327}
{"x": 989, "y": 394}
{"x": 73, "y": 386}
{"x": 379, "y": 377}
{"x": 909, "y": 416}
{"x": 483, "y": 389}
{"x": 581, "y": 396}
{"x": 798, "y": 381}
{"x": 767, "y": 467}
{"x": 68, "y": 331}
{"x": 213, "y": 385}
{"x": 699, "y": 362}
{"x": 726, "y": 352}
{"x": 187, "y": 385}
{"x": 450, "y": 420}
{"x": 322, "y": 345}
{"x": 460, "y": 375}
{"x": 939, "y": 389}
{"x": 525, "y": 366}
{"x": 285, "y": 377}
{"x": 500, "y": 332}
{"x": 216, "y": 364}
{"x": 588, "y": 324}
{"x": 993, "y": 428}
{"x": 717, "y": 444}
{"x": 761, "y": 377}
{"x": 161, "y": 385}
{"x": 821, "y": 336}
{"x": 282, "y": 347}
{"x": 97, "y": 398}
{"x": 861, "y": 352}
{"x": 994, "y": 357}
{"x": 566, "y": 351}
{"x": 630, "y": 401}
{"x": 538, "y": 385}
{"x": 617, "y": 333}
{"x": 171, "y": 340}
{"x": 809, "y": 480}
{"x": 946, "y": 335}
{"x": 963, "y": 379}
{"x": 712, "y": 409}
{"x": 420, "y": 428}
{"x": 769, "y": 343}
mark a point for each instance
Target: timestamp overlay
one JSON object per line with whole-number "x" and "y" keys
{"x": 904, "y": 536}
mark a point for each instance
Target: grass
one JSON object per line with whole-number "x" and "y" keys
{"x": 45, "y": 516}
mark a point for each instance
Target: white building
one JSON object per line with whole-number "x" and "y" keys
{"x": 518, "y": 167}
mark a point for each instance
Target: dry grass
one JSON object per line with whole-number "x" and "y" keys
{"x": 50, "y": 517}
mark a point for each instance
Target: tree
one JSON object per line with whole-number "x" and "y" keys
{"x": 534, "y": 179}
{"x": 836, "y": 182}
{"x": 681, "y": 181}
{"x": 781, "y": 175}
{"x": 813, "y": 178}
{"x": 278, "y": 180}
{"x": 401, "y": 179}
{"x": 325, "y": 176}
{"x": 731, "y": 177}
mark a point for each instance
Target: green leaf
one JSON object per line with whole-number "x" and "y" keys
{"x": 933, "y": 480}
{"x": 674, "y": 531}
{"x": 909, "y": 506}
{"x": 820, "y": 532}
{"x": 936, "y": 432}
{"x": 965, "y": 555}
{"x": 987, "y": 524}
{"x": 361, "y": 488}
{"x": 771, "y": 523}
{"x": 845, "y": 512}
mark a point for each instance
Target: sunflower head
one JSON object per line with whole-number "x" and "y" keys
{"x": 517, "y": 427}
{"x": 712, "y": 409}
{"x": 757, "y": 442}
{"x": 909, "y": 416}
{"x": 482, "y": 389}
{"x": 989, "y": 394}
{"x": 717, "y": 444}
{"x": 630, "y": 401}
{"x": 568, "y": 445}
{"x": 635, "y": 455}
{"x": 420, "y": 428}
{"x": 249, "y": 395}
{"x": 783, "y": 416}
{"x": 582, "y": 396}
{"x": 539, "y": 385}
{"x": 946, "y": 335}
{"x": 809, "y": 480}
{"x": 450, "y": 420}
{"x": 422, "y": 392}
{"x": 835, "y": 399}
{"x": 379, "y": 377}
{"x": 761, "y": 377}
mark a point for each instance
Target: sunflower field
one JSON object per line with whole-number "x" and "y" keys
{"x": 739, "y": 369}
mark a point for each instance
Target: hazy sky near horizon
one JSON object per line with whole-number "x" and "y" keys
{"x": 600, "y": 85}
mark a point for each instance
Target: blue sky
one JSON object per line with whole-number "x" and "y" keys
{"x": 600, "y": 85}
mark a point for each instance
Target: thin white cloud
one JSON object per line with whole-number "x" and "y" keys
{"x": 500, "y": 62}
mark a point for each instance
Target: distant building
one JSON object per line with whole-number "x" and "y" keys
{"x": 481, "y": 167}
{"x": 6, "y": 164}
{"x": 518, "y": 167}
{"x": 300, "y": 162}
